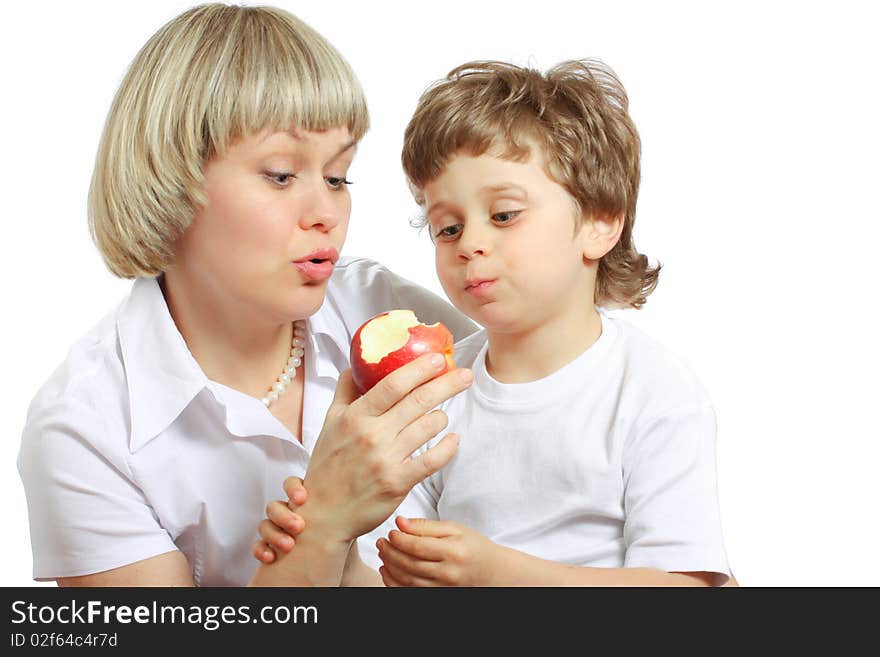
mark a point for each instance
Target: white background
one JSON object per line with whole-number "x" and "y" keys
{"x": 760, "y": 145}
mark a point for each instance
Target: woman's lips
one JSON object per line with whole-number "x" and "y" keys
{"x": 319, "y": 270}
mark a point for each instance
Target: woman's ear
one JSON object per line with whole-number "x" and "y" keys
{"x": 599, "y": 234}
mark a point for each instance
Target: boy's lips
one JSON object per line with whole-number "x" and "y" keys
{"x": 479, "y": 287}
{"x": 317, "y": 265}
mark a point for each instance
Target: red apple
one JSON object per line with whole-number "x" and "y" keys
{"x": 387, "y": 341}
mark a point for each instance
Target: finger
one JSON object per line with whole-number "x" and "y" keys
{"x": 275, "y": 537}
{"x": 420, "y": 431}
{"x": 403, "y": 577}
{"x": 426, "y": 527}
{"x": 397, "y": 385}
{"x": 426, "y": 548}
{"x": 263, "y": 552}
{"x": 295, "y": 491}
{"x": 424, "y": 465}
{"x": 387, "y": 579}
{"x": 284, "y": 519}
{"x": 428, "y": 396}
{"x": 402, "y": 562}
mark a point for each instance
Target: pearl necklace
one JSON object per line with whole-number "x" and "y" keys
{"x": 297, "y": 349}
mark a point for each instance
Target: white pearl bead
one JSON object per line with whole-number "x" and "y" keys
{"x": 297, "y": 352}
{"x": 285, "y": 378}
{"x": 290, "y": 372}
{"x": 265, "y": 401}
{"x": 273, "y": 396}
{"x": 299, "y": 342}
{"x": 278, "y": 387}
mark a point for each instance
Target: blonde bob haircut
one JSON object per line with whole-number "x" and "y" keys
{"x": 577, "y": 114}
{"x": 212, "y": 75}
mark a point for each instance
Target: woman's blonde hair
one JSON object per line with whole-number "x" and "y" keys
{"x": 576, "y": 113}
{"x": 208, "y": 77}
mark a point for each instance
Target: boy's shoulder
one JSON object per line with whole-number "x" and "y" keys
{"x": 651, "y": 374}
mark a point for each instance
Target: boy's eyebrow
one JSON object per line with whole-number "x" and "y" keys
{"x": 439, "y": 205}
{"x": 503, "y": 187}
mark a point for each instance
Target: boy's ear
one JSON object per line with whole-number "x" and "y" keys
{"x": 599, "y": 234}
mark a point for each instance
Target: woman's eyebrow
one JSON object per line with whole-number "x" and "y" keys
{"x": 346, "y": 147}
{"x": 296, "y": 134}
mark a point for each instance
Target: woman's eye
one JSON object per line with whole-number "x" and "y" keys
{"x": 505, "y": 217}
{"x": 449, "y": 232}
{"x": 280, "y": 178}
{"x": 337, "y": 183}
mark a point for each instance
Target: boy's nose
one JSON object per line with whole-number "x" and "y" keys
{"x": 471, "y": 243}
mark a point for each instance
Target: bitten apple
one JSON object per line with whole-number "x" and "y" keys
{"x": 392, "y": 339}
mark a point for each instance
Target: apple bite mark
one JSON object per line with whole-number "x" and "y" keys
{"x": 392, "y": 339}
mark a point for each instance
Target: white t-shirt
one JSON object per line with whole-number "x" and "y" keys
{"x": 609, "y": 461}
{"x": 130, "y": 451}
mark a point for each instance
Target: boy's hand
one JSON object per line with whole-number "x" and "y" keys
{"x": 436, "y": 553}
{"x": 281, "y": 523}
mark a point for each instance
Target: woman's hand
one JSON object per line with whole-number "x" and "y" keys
{"x": 362, "y": 465}
{"x": 437, "y": 553}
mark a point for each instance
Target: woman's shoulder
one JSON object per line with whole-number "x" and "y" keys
{"x": 87, "y": 387}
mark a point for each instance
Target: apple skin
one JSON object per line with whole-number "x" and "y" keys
{"x": 423, "y": 339}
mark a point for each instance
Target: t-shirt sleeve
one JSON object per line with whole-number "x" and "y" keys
{"x": 673, "y": 520}
{"x": 86, "y": 512}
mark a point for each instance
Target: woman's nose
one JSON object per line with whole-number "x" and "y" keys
{"x": 323, "y": 210}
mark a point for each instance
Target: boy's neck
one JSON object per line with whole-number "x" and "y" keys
{"x": 538, "y": 352}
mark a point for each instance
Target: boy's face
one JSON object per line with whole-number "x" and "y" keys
{"x": 509, "y": 243}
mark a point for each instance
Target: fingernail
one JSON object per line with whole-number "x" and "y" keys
{"x": 437, "y": 361}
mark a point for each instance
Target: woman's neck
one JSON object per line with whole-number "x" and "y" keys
{"x": 537, "y": 352}
{"x": 229, "y": 341}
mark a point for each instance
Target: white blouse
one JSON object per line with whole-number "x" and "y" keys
{"x": 129, "y": 451}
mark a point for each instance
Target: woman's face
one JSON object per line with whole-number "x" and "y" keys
{"x": 275, "y": 219}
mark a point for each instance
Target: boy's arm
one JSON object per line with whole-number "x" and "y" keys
{"x": 433, "y": 553}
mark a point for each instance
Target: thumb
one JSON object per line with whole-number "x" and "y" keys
{"x": 346, "y": 392}
{"x": 424, "y": 527}
{"x": 295, "y": 491}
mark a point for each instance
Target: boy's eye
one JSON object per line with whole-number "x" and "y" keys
{"x": 505, "y": 217}
{"x": 336, "y": 182}
{"x": 448, "y": 233}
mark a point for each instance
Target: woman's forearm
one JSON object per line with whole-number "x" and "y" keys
{"x": 318, "y": 559}
{"x": 357, "y": 573}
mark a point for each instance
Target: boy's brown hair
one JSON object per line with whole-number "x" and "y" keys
{"x": 577, "y": 113}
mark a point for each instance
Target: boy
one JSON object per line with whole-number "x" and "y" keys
{"x": 587, "y": 452}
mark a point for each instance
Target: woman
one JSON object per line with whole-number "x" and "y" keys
{"x": 149, "y": 456}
